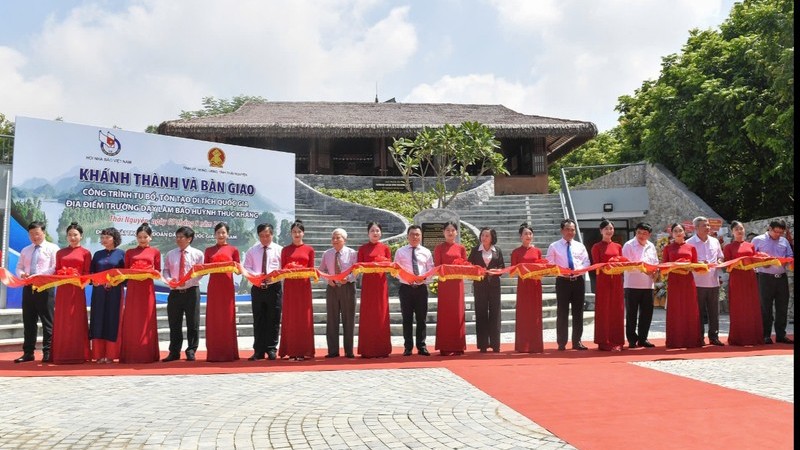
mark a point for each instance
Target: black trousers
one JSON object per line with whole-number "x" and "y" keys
{"x": 267, "y": 305}
{"x": 708, "y": 303}
{"x": 774, "y": 292}
{"x": 340, "y": 302}
{"x": 487, "y": 314}
{"x": 37, "y": 306}
{"x": 570, "y": 293}
{"x": 414, "y": 305}
{"x": 183, "y": 302}
{"x": 638, "y": 304}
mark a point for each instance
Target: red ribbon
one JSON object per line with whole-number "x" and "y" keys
{"x": 142, "y": 270}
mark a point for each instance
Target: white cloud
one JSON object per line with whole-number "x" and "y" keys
{"x": 581, "y": 55}
{"x": 481, "y": 89}
{"x": 26, "y": 96}
{"x": 145, "y": 63}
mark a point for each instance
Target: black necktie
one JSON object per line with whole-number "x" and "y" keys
{"x": 264, "y": 265}
{"x": 414, "y": 264}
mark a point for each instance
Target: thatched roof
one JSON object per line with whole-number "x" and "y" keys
{"x": 375, "y": 120}
{"x": 328, "y": 119}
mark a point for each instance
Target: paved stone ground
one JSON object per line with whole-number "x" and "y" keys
{"x": 767, "y": 376}
{"x": 372, "y": 409}
{"x": 342, "y": 409}
{"x": 364, "y": 409}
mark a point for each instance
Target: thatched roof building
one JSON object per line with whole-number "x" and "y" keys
{"x": 352, "y": 138}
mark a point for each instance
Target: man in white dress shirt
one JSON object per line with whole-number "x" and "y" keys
{"x": 709, "y": 252}
{"x": 639, "y": 286}
{"x": 416, "y": 259}
{"x": 267, "y": 298}
{"x": 570, "y": 291}
{"x": 38, "y": 258}
{"x": 340, "y": 296}
{"x": 185, "y": 298}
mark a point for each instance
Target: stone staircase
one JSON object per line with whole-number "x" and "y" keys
{"x": 504, "y": 213}
{"x": 11, "y": 331}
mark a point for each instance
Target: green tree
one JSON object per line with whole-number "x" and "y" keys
{"x": 720, "y": 116}
{"x": 399, "y": 202}
{"x": 605, "y": 148}
{"x": 447, "y": 153}
{"x": 213, "y": 106}
{"x": 6, "y": 143}
{"x": 265, "y": 217}
{"x": 6, "y": 126}
{"x": 27, "y": 211}
{"x": 285, "y": 234}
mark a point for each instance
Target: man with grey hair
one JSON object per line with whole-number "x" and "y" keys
{"x": 340, "y": 296}
{"x": 709, "y": 252}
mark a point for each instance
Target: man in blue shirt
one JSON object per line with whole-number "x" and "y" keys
{"x": 773, "y": 286}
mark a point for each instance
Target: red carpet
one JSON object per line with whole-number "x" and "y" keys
{"x": 590, "y": 399}
{"x": 606, "y": 403}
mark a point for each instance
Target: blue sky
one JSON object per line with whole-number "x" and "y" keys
{"x": 131, "y": 63}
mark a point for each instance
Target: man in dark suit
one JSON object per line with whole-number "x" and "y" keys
{"x": 487, "y": 291}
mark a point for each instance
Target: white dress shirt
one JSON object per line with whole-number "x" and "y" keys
{"x": 708, "y": 252}
{"x": 487, "y": 254}
{"x": 424, "y": 259}
{"x": 347, "y": 257}
{"x": 255, "y": 254}
{"x": 557, "y": 254}
{"x": 634, "y": 251}
{"x": 45, "y": 264}
{"x": 172, "y": 265}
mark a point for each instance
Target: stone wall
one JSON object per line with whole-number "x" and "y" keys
{"x": 760, "y": 226}
{"x": 670, "y": 200}
{"x": 393, "y": 224}
{"x": 354, "y": 182}
{"x": 635, "y": 175}
{"x": 474, "y": 196}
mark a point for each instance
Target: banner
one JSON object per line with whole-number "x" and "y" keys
{"x": 101, "y": 177}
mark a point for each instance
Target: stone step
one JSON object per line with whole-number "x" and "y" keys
{"x": 11, "y": 328}
{"x": 513, "y": 205}
{"x": 509, "y": 243}
{"x": 509, "y": 212}
{"x": 547, "y": 233}
{"x": 506, "y": 288}
{"x": 396, "y": 328}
